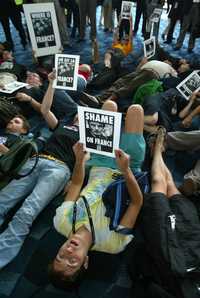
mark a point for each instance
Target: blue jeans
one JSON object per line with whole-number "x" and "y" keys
{"x": 39, "y": 188}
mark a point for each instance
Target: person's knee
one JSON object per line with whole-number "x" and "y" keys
{"x": 110, "y": 105}
{"x": 135, "y": 110}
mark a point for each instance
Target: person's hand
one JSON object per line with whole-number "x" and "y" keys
{"x": 52, "y": 76}
{"x": 187, "y": 121}
{"x": 80, "y": 154}
{"x": 143, "y": 61}
{"x": 23, "y": 97}
{"x": 122, "y": 160}
{"x": 194, "y": 96}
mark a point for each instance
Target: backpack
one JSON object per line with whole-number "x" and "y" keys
{"x": 12, "y": 161}
{"x": 116, "y": 197}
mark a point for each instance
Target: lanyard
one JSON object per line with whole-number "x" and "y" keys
{"x": 89, "y": 217}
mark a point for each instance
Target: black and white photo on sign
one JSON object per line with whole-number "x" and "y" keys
{"x": 189, "y": 84}
{"x": 155, "y": 16}
{"x": 126, "y": 9}
{"x": 99, "y": 130}
{"x": 66, "y": 71}
{"x": 43, "y": 28}
{"x": 150, "y": 47}
{"x": 12, "y": 87}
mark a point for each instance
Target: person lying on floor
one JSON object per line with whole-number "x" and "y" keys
{"x": 112, "y": 70}
{"x": 47, "y": 180}
{"x": 72, "y": 257}
{"x": 171, "y": 229}
{"x": 63, "y": 105}
{"x": 171, "y": 110}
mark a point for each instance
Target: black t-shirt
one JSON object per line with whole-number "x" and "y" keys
{"x": 61, "y": 142}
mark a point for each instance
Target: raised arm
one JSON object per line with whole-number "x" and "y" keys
{"x": 187, "y": 108}
{"x": 78, "y": 174}
{"x": 50, "y": 118}
{"x": 129, "y": 218}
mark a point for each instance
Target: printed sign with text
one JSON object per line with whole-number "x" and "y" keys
{"x": 43, "y": 28}
{"x": 99, "y": 130}
{"x": 126, "y": 9}
{"x": 66, "y": 71}
{"x": 190, "y": 84}
{"x": 150, "y": 47}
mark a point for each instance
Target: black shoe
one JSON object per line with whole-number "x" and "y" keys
{"x": 190, "y": 51}
{"x": 163, "y": 36}
{"x": 81, "y": 40}
{"x": 168, "y": 41}
{"x": 177, "y": 48}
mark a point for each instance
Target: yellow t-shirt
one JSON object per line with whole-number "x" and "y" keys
{"x": 106, "y": 240}
{"x": 125, "y": 48}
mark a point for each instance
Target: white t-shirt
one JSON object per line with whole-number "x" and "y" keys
{"x": 161, "y": 68}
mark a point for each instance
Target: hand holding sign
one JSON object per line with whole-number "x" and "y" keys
{"x": 122, "y": 160}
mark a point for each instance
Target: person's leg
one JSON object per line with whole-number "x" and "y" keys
{"x": 6, "y": 29}
{"x": 92, "y": 4}
{"x": 183, "y": 31}
{"x": 162, "y": 180}
{"x": 17, "y": 22}
{"x": 109, "y": 105}
{"x": 51, "y": 180}
{"x": 134, "y": 121}
{"x": 17, "y": 190}
{"x": 132, "y": 140}
{"x": 83, "y": 13}
{"x": 181, "y": 141}
{"x": 194, "y": 25}
{"x": 137, "y": 16}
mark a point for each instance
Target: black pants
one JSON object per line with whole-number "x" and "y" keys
{"x": 15, "y": 17}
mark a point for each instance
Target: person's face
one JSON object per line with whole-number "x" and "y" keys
{"x": 96, "y": 128}
{"x": 33, "y": 79}
{"x": 7, "y": 55}
{"x": 15, "y": 125}
{"x": 71, "y": 256}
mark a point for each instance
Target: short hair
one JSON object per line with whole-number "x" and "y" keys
{"x": 26, "y": 124}
{"x": 65, "y": 282}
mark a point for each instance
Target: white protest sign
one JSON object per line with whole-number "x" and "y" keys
{"x": 43, "y": 28}
{"x": 126, "y": 9}
{"x": 150, "y": 47}
{"x": 99, "y": 130}
{"x": 66, "y": 71}
{"x": 190, "y": 84}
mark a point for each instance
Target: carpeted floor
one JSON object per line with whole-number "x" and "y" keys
{"x": 26, "y": 276}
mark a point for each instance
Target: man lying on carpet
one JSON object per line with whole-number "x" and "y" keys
{"x": 48, "y": 178}
{"x": 85, "y": 231}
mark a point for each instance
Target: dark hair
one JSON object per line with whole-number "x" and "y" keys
{"x": 65, "y": 282}
{"x": 26, "y": 124}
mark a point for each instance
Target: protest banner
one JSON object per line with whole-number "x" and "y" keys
{"x": 12, "y": 87}
{"x": 43, "y": 28}
{"x": 190, "y": 84}
{"x": 66, "y": 71}
{"x": 126, "y": 9}
{"x": 149, "y": 47}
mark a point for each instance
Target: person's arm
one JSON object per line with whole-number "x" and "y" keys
{"x": 129, "y": 218}
{"x": 188, "y": 120}
{"x": 78, "y": 174}
{"x": 26, "y": 98}
{"x": 116, "y": 33}
{"x": 187, "y": 108}
{"x": 131, "y": 30}
{"x": 142, "y": 62}
{"x": 49, "y": 117}
{"x": 3, "y": 149}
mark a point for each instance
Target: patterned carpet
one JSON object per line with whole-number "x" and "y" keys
{"x": 26, "y": 276}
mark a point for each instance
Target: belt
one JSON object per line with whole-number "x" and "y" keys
{"x": 49, "y": 157}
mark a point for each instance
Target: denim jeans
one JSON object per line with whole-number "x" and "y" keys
{"x": 39, "y": 188}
